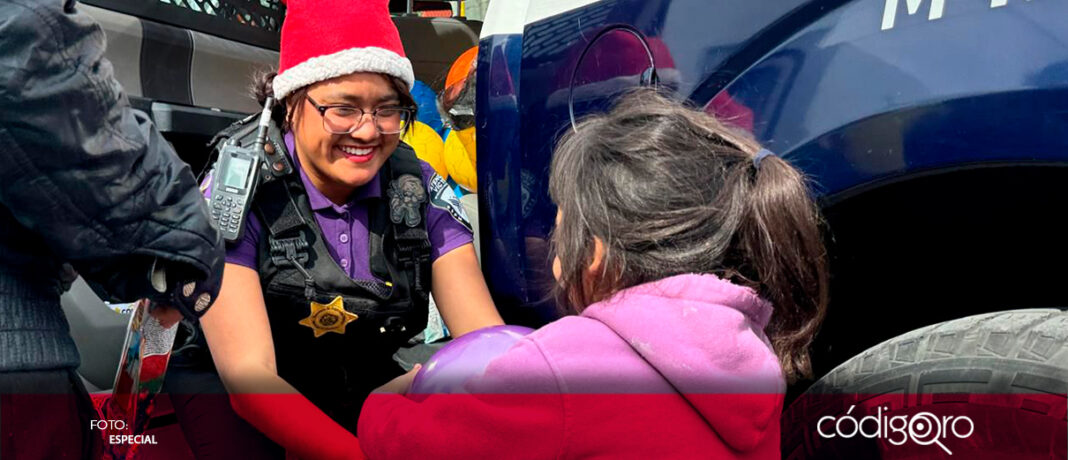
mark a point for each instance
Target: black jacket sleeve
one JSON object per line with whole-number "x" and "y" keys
{"x": 92, "y": 176}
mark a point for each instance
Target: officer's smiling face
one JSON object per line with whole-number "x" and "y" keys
{"x": 339, "y": 163}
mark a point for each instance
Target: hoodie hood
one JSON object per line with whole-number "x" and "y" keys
{"x": 705, "y": 336}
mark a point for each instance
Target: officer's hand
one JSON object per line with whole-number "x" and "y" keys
{"x": 167, "y": 316}
{"x": 400, "y": 385}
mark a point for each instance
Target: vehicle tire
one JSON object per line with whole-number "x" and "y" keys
{"x": 1006, "y": 371}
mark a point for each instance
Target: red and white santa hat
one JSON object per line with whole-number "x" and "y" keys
{"x": 324, "y": 39}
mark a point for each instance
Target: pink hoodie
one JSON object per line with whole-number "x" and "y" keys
{"x": 670, "y": 369}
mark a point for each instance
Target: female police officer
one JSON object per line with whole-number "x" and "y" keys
{"x": 333, "y": 269}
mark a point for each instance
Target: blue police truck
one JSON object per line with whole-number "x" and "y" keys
{"x": 935, "y": 133}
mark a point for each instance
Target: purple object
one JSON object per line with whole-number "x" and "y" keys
{"x": 465, "y": 358}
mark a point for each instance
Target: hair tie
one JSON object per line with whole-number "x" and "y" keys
{"x": 760, "y": 156}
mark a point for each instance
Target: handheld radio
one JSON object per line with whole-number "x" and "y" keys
{"x": 234, "y": 181}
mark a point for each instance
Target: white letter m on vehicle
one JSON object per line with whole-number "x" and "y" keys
{"x": 890, "y": 11}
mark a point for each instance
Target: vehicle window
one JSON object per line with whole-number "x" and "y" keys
{"x": 267, "y": 17}
{"x": 256, "y": 22}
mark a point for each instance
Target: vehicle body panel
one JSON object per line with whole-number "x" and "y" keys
{"x": 825, "y": 84}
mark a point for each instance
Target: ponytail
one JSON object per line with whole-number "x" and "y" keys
{"x": 780, "y": 237}
{"x": 262, "y": 85}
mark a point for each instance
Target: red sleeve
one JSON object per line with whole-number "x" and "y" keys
{"x": 463, "y": 426}
{"x": 516, "y": 411}
{"x": 297, "y": 425}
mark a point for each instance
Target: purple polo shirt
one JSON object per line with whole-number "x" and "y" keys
{"x": 345, "y": 228}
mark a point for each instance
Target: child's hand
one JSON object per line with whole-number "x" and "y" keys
{"x": 401, "y": 384}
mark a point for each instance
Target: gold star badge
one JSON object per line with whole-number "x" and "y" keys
{"x": 331, "y": 317}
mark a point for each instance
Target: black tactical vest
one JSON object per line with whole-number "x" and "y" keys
{"x": 336, "y": 371}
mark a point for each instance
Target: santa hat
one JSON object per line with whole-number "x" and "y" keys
{"x": 324, "y": 39}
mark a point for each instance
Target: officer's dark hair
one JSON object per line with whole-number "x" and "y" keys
{"x": 670, "y": 190}
{"x": 262, "y": 87}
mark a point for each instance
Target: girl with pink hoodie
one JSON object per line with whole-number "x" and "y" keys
{"x": 693, "y": 261}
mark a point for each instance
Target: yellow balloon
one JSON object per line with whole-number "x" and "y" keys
{"x": 460, "y": 158}
{"x": 428, "y": 146}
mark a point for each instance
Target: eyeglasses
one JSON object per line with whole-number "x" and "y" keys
{"x": 344, "y": 119}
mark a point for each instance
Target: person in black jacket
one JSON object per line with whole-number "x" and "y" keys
{"x": 84, "y": 180}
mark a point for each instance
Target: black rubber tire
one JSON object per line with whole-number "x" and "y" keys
{"x": 962, "y": 362}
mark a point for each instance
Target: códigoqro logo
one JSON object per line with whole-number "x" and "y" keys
{"x": 923, "y": 428}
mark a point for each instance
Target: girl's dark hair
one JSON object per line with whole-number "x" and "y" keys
{"x": 670, "y": 190}
{"x": 263, "y": 87}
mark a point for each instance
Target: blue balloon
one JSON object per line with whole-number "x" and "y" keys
{"x": 428, "y": 106}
